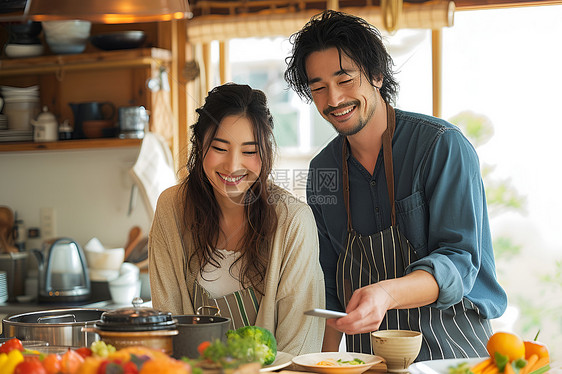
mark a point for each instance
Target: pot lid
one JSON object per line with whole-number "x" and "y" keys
{"x": 136, "y": 318}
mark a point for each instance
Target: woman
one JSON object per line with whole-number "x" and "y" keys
{"x": 229, "y": 238}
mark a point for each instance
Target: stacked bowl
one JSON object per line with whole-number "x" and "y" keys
{"x": 126, "y": 286}
{"x": 103, "y": 264}
{"x": 21, "y": 105}
{"x": 23, "y": 40}
{"x": 3, "y": 286}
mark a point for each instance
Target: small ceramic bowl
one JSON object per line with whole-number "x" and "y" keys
{"x": 108, "y": 259}
{"x": 123, "y": 294}
{"x": 23, "y": 50}
{"x": 399, "y": 348}
{"x": 67, "y": 37}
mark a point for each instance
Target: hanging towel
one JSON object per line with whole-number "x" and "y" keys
{"x": 153, "y": 171}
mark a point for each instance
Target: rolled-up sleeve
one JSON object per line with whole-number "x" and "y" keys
{"x": 459, "y": 243}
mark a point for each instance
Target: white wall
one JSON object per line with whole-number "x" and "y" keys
{"x": 89, "y": 190}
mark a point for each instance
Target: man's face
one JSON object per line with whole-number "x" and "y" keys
{"x": 341, "y": 93}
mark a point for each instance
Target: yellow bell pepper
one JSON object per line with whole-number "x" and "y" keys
{"x": 3, "y": 359}
{"x": 12, "y": 360}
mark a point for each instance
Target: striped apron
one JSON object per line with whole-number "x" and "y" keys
{"x": 240, "y": 306}
{"x": 455, "y": 332}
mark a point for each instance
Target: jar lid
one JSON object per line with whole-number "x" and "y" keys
{"x": 136, "y": 318}
{"x": 46, "y": 116}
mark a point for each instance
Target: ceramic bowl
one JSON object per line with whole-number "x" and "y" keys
{"x": 108, "y": 259}
{"x": 23, "y": 50}
{"x": 67, "y": 37}
{"x": 123, "y": 294}
{"x": 118, "y": 40}
{"x": 399, "y": 348}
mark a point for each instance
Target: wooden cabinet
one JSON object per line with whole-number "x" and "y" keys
{"x": 121, "y": 77}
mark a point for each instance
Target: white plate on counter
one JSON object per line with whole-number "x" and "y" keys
{"x": 440, "y": 366}
{"x": 311, "y": 360}
{"x": 282, "y": 359}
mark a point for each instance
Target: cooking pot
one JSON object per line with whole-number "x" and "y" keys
{"x": 194, "y": 330}
{"x": 136, "y": 325}
{"x": 60, "y": 327}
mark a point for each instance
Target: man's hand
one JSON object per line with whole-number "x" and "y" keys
{"x": 365, "y": 310}
{"x": 368, "y": 305}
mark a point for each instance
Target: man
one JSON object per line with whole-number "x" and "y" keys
{"x": 406, "y": 242}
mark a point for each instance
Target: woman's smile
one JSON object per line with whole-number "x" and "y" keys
{"x": 231, "y": 180}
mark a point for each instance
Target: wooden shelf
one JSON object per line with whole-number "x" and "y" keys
{"x": 141, "y": 57}
{"x": 69, "y": 144}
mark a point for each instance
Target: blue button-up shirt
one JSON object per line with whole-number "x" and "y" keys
{"x": 440, "y": 208}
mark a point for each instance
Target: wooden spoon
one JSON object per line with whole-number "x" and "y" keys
{"x": 7, "y": 230}
{"x": 135, "y": 235}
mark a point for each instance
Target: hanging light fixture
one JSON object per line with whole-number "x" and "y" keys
{"x": 107, "y": 11}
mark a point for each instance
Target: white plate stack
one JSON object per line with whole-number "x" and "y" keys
{"x": 3, "y": 286}
{"x": 21, "y": 105}
{"x": 3, "y": 122}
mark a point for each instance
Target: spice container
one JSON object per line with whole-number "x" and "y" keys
{"x": 65, "y": 131}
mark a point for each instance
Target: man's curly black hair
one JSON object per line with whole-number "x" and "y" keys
{"x": 351, "y": 35}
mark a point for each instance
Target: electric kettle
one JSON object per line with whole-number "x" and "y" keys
{"x": 63, "y": 272}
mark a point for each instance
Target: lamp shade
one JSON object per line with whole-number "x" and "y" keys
{"x": 108, "y": 11}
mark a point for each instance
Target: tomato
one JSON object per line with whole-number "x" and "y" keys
{"x": 30, "y": 367}
{"x": 52, "y": 363}
{"x": 507, "y": 344}
{"x": 204, "y": 345}
{"x": 70, "y": 362}
{"x": 84, "y": 352}
{"x": 10, "y": 345}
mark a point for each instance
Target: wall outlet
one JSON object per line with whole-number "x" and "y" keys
{"x": 47, "y": 221}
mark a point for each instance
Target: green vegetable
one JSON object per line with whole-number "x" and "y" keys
{"x": 501, "y": 360}
{"x": 264, "y": 343}
{"x": 355, "y": 361}
{"x": 246, "y": 344}
{"x": 541, "y": 370}
{"x": 462, "y": 368}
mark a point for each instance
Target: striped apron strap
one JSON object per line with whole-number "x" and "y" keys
{"x": 240, "y": 306}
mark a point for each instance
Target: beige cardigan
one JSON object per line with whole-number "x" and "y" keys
{"x": 294, "y": 279}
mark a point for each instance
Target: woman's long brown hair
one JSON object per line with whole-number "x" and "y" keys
{"x": 201, "y": 210}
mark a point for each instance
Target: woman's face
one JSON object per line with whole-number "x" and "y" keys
{"x": 232, "y": 163}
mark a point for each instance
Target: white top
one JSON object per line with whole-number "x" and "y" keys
{"x": 221, "y": 281}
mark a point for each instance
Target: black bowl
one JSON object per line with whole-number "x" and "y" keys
{"x": 118, "y": 40}
{"x": 29, "y": 28}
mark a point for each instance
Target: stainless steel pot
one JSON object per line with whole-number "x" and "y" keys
{"x": 61, "y": 327}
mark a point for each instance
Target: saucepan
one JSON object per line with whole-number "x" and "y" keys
{"x": 196, "y": 329}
